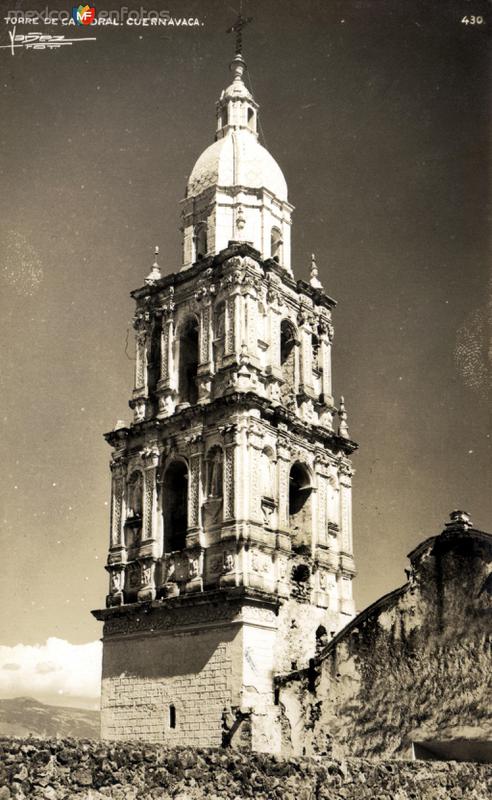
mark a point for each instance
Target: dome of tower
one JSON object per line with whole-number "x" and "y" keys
{"x": 237, "y": 159}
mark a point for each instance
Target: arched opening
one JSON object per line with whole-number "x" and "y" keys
{"x": 287, "y": 359}
{"x": 154, "y": 364}
{"x": 251, "y": 119}
{"x": 134, "y": 495}
{"x": 219, "y": 334}
{"x": 175, "y": 506}
{"x": 223, "y": 118}
{"x": 172, "y": 716}
{"x": 201, "y": 241}
{"x": 215, "y": 462}
{"x": 188, "y": 362}
{"x": 300, "y": 516}
{"x": 134, "y": 510}
{"x": 276, "y": 245}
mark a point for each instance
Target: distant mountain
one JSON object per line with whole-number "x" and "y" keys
{"x": 23, "y": 716}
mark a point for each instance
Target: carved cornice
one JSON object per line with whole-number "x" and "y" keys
{"x": 150, "y": 456}
{"x": 222, "y": 606}
{"x": 275, "y": 416}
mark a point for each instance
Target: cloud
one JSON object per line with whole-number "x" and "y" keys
{"x": 56, "y": 671}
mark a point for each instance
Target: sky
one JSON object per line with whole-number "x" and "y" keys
{"x": 377, "y": 112}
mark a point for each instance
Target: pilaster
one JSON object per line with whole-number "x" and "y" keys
{"x": 149, "y": 546}
{"x": 326, "y": 333}
{"x": 167, "y": 386}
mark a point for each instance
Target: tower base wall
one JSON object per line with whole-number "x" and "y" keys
{"x": 145, "y": 677}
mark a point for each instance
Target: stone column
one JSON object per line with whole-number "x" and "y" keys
{"x": 118, "y": 468}
{"x": 274, "y": 319}
{"x": 195, "y": 491}
{"x": 138, "y": 401}
{"x": 236, "y": 302}
{"x": 274, "y": 300}
{"x": 284, "y": 462}
{"x": 250, "y": 333}
{"x": 140, "y": 360}
{"x": 346, "y": 565}
{"x": 117, "y": 550}
{"x": 232, "y": 493}
{"x": 193, "y": 558}
{"x": 205, "y": 367}
{"x": 306, "y": 352}
{"x": 346, "y": 512}
{"x": 326, "y": 338}
{"x": 148, "y": 550}
{"x": 168, "y": 382}
{"x": 256, "y": 490}
{"x": 322, "y": 499}
{"x": 231, "y": 283}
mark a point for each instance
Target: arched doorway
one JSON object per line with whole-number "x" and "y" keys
{"x": 175, "y": 506}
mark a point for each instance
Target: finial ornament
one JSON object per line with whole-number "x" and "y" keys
{"x": 459, "y": 519}
{"x": 343, "y": 427}
{"x": 155, "y": 273}
{"x": 314, "y": 280}
{"x": 237, "y": 28}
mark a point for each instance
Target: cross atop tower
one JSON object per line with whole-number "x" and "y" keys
{"x": 237, "y": 28}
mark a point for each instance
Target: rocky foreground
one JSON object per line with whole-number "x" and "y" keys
{"x": 89, "y": 770}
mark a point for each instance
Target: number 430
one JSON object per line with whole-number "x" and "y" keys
{"x": 471, "y": 20}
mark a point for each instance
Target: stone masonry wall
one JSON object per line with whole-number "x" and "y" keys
{"x": 144, "y": 676}
{"x": 83, "y": 770}
{"x": 417, "y": 667}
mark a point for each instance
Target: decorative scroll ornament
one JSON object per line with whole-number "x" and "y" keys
{"x": 194, "y": 438}
{"x": 150, "y": 455}
{"x": 273, "y": 295}
{"x": 234, "y": 279}
{"x": 141, "y": 319}
{"x": 194, "y": 568}
{"x": 146, "y": 575}
{"x": 234, "y": 262}
{"x": 229, "y": 563}
{"x": 325, "y": 328}
{"x": 205, "y": 289}
{"x": 322, "y": 459}
{"x": 168, "y": 304}
{"x": 305, "y": 316}
{"x": 253, "y": 281}
{"x": 116, "y": 581}
{"x": 117, "y": 464}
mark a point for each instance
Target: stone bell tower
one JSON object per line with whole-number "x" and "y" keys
{"x": 230, "y": 552}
